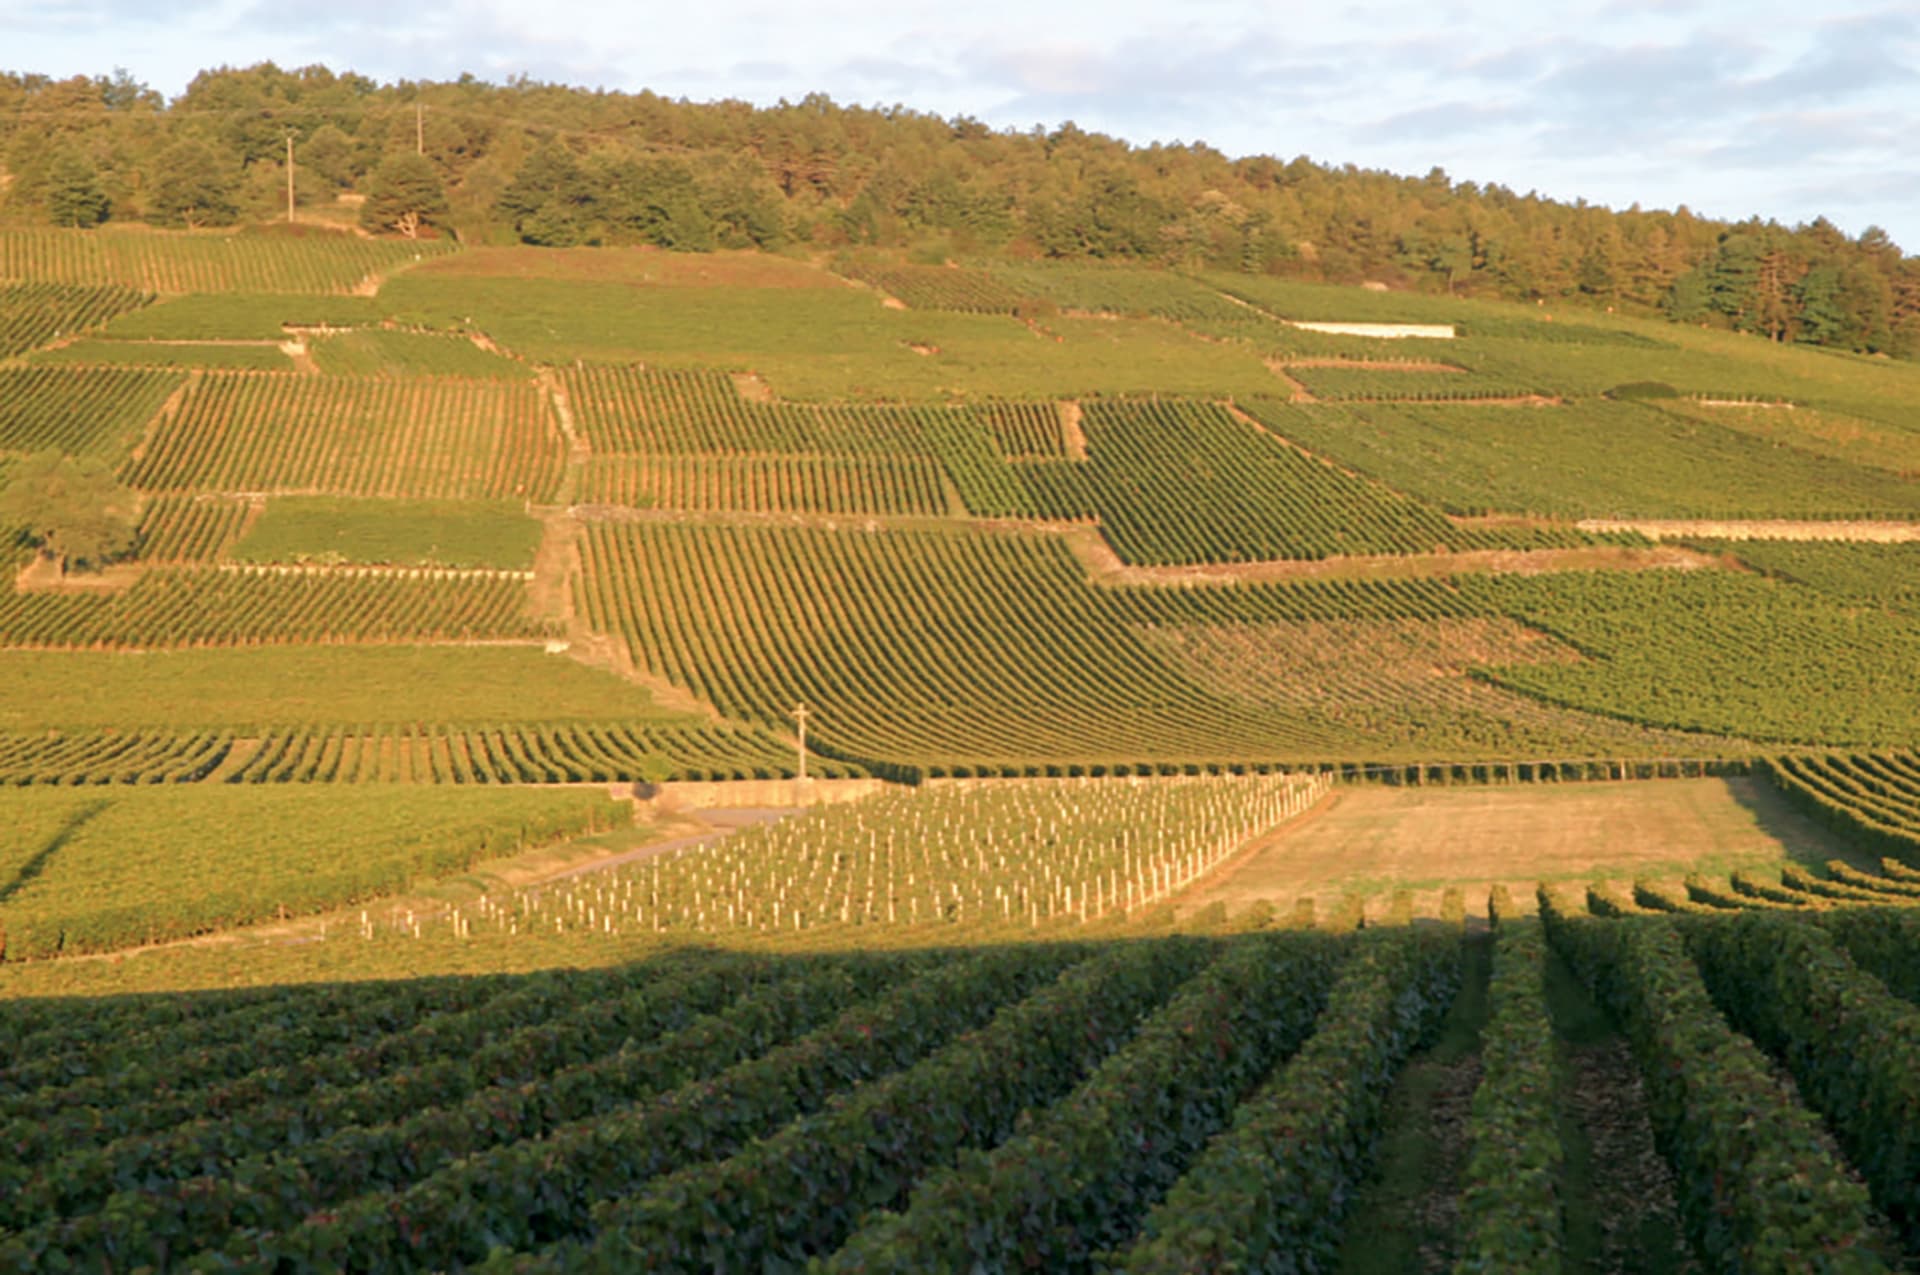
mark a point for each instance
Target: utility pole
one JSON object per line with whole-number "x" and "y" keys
{"x": 289, "y": 177}
{"x": 800, "y": 715}
{"x": 419, "y": 128}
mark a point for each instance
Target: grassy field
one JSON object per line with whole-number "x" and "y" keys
{"x": 1373, "y": 841}
{"x": 443, "y": 533}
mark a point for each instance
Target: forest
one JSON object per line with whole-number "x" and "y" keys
{"x": 549, "y": 164}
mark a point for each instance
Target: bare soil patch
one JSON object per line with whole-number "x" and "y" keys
{"x": 1296, "y": 392}
{"x": 43, "y": 575}
{"x": 1859, "y": 532}
{"x": 1372, "y": 840}
{"x": 553, "y": 566}
{"x": 753, "y": 387}
{"x": 1104, "y": 565}
{"x": 1390, "y": 689}
{"x": 1071, "y": 432}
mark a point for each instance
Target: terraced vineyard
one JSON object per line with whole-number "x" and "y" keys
{"x": 362, "y": 906}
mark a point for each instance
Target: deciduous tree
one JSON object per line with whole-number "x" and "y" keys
{"x": 73, "y": 508}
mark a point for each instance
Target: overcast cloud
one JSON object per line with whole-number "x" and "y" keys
{"x": 1764, "y": 107}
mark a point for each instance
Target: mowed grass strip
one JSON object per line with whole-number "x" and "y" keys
{"x": 426, "y": 533}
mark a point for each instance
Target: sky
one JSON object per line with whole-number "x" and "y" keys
{"x": 1785, "y": 110}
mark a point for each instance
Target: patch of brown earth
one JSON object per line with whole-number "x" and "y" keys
{"x": 1372, "y": 365}
{"x": 1073, "y": 436}
{"x": 752, "y": 387}
{"x": 1105, "y": 567}
{"x": 42, "y": 574}
{"x": 1862, "y": 531}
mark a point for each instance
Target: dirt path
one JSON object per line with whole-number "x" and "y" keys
{"x": 554, "y": 565}
{"x": 1296, "y": 392}
{"x": 1618, "y": 1192}
{"x": 1407, "y": 1216}
{"x": 1073, "y": 437}
{"x": 1858, "y": 532}
{"x": 578, "y": 451}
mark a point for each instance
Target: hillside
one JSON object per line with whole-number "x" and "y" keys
{"x": 358, "y": 908}
{"x": 555, "y": 165}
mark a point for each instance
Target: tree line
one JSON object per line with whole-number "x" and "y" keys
{"x": 549, "y": 164}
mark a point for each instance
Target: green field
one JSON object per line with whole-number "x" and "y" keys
{"x": 445, "y": 533}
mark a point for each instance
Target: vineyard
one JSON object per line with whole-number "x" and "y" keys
{"x": 1381, "y": 382}
{"x": 963, "y": 858}
{"x": 609, "y": 752}
{"x": 1591, "y": 459}
{"x": 112, "y": 868}
{"x": 568, "y": 1120}
{"x": 80, "y": 412}
{"x": 177, "y": 607}
{"x": 179, "y": 530}
{"x": 938, "y": 287}
{"x": 32, "y": 314}
{"x": 249, "y": 690}
{"x": 212, "y": 356}
{"x": 968, "y": 654}
{"x": 1120, "y": 290}
{"x": 404, "y": 861}
{"x": 204, "y": 262}
{"x": 1886, "y": 576}
{"x": 431, "y": 438}
{"x": 1154, "y": 478}
{"x": 1717, "y": 652}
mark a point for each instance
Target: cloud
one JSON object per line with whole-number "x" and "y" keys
{"x": 1448, "y": 119}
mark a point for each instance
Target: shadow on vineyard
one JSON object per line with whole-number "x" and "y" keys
{"x": 1404, "y": 1097}
{"x": 31, "y": 869}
